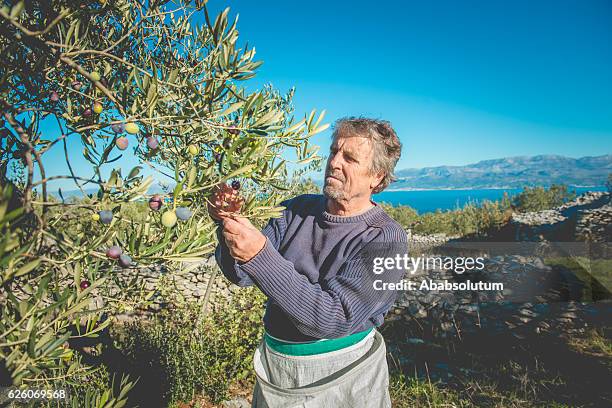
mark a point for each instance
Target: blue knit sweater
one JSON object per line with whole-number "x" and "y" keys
{"x": 312, "y": 269}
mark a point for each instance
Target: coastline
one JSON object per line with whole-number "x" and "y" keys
{"x": 474, "y": 188}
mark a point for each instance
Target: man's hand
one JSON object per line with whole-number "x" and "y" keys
{"x": 243, "y": 239}
{"x": 224, "y": 202}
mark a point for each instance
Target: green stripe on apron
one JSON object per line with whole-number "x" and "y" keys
{"x": 315, "y": 347}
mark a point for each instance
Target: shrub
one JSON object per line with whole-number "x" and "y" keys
{"x": 539, "y": 198}
{"x": 185, "y": 354}
{"x": 479, "y": 219}
{"x": 471, "y": 219}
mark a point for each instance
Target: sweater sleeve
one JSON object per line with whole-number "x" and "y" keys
{"x": 273, "y": 231}
{"x": 337, "y": 306}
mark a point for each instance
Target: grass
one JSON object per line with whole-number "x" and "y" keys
{"x": 595, "y": 342}
{"x": 408, "y": 392}
{"x": 498, "y": 370}
{"x": 553, "y": 371}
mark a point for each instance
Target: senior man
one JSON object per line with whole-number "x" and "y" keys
{"x": 321, "y": 347}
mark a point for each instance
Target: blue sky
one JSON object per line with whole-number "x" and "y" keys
{"x": 461, "y": 81}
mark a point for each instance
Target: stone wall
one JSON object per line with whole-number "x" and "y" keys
{"x": 595, "y": 225}
{"x": 189, "y": 284}
{"x": 536, "y": 297}
{"x": 558, "y": 224}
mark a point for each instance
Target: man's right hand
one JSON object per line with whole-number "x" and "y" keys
{"x": 224, "y": 202}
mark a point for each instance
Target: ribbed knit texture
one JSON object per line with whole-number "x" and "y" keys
{"x": 312, "y": 270}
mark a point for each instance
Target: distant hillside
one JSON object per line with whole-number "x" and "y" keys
{"x": 509, "y": 172}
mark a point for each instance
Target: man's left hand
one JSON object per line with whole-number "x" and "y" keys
{"x": 243, "y": 239}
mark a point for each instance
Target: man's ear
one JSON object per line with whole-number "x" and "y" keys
{"x": 379, "y": 177}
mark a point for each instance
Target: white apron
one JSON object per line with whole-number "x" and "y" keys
{"x": 353, "y": 377}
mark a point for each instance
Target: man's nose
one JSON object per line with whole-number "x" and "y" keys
{"x": 335, "y": 162}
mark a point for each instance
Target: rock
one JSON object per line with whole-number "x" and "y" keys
{"x": 236, "y": 403}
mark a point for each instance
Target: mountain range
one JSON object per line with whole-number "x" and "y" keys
{"x": 509, "y": 172}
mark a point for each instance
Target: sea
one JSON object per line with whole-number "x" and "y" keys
{"x": 421, "y": 200}
{"x": 431, "y": 200}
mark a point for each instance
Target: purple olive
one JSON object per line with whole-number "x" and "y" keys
{"x": 236, "y": 185}
{"x": 122, "y": 143}
{"x": 84, "y": 284}
{"x": 106, "y": 217}
{"x": 152, "y": 142}
{"x": 87, "y": 112}
{"x": 118, "y": 127}
{"x": 114, "y": 252}
{"x": 125, "y": 261}
{"x": 156, "y": 202}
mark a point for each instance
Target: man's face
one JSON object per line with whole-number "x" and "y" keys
{"x": 347, "y": 173}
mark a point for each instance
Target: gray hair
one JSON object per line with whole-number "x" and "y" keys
{"x": 387, "y": 147}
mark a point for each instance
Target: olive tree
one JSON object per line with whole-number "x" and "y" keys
{"x": 122, "y": 77}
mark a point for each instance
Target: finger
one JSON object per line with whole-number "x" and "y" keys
{"x": 230, "y": 240}
{"x": 232, "y": 252}
{"x": 243, "y": 221}
{"x": 227, "y": 233}
{"x": 232, "y": 226}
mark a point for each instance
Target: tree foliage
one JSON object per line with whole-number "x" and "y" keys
{"x": 122, "y": 77}
{"x": 540, "y": 198}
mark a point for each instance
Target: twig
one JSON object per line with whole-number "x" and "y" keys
{"x": 24, "y": 139}
{"x": 65, "y": 177}
{"x": 211, "y": 281}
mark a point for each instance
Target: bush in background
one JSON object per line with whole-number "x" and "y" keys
{"x": 186, "y": 354}
{"x": 471, "y": 219}
{"x": 477, "y": 219}
{"x": 540, "y": 198}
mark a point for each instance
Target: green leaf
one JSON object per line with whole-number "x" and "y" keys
{"x": 27, "y": 268}
{"x": 70, "y": 32}
{"x": 32, "y": 343}
{"x": 193, "y": 172}
{"x": 295, "y": 127}
{"x": 321, "y": 115}
{"x": 240, "y": 171}
{"x": 231, "y": 109}
{"x": 173, "y": 75}
{"x": 55, "y": 344}
{"x": 17, "y": 9}
{"x": 319, "y": 130}
{"x": 134, "y": 172}
{"x": 107, "y": 69}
